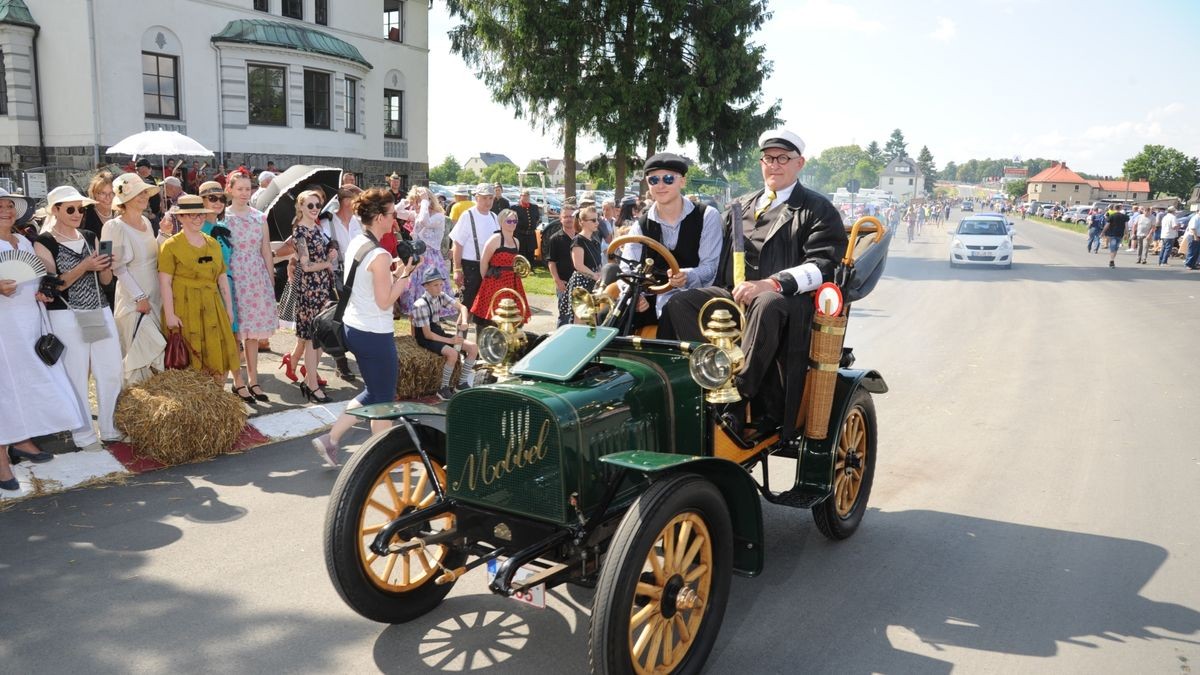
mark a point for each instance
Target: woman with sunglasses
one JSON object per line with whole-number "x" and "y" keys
{"x": 316, "y": 258}
{"x": 79, "y": 313}
{"x": 252, "y": 265}
{"x": 195, "y": 292}
{"x": 586, "y": 258}
{"x": 496, "y": 267}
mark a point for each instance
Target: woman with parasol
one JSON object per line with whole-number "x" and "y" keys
{"x": 316, "y": 258}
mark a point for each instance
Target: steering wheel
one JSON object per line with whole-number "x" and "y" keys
{"x": 658, "y": 248}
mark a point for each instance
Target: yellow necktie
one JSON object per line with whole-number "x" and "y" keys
{"x": 765, "y": 207}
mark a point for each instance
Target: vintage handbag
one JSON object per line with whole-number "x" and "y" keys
{"x": 48, "y": 347}
{"x": 329, "y": 333}
{"x": 178, "y": 354}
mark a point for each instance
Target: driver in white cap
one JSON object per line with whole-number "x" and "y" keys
{"x": 793, "y": 239}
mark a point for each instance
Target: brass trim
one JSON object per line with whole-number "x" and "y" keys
{"x": 824, "y": 367}
{"x": 686, "y": 348}
{"x": 637, "y": 342}
{"x": 832, "y": 330}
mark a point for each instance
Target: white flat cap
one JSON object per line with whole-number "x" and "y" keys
{"x": 781, "y": 138}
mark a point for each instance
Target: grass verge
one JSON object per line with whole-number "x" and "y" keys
{"x": 1074, "y": 227}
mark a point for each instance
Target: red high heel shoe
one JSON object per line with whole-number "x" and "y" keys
{"x": 321, "y": 382}
{"x": 289, "y": 371}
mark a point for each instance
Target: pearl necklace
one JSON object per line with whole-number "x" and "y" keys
{"x": 55, "y": 231}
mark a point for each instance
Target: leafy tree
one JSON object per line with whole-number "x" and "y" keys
{"x": 1017, "y": 188}
{"x": 843, "y": 158}
{"x": 466, "y": 176}
{"x": 816, "y": 175}
{"x": 896, "y": 147}
{"x": 501, "y": 172}
{"x": 535, "y": 165}
{"x": 446, "y": 172}
{"x": 927, "y": 167}
{"x": 875, "y": 154}
{"x": 969, "y": 171}
{"x": 949, "y": 172}
{"x": 1169, "y": 171}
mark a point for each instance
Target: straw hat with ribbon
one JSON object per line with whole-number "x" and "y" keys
{"x": 187, "y": 204}
{"x": 129, "y": 185}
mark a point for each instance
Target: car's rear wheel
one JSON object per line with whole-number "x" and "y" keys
{"x": 664, "y": 583}
{"x": 853, "y": 472}
{"x": 384, "y": 480}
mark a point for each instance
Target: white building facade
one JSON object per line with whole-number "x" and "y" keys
{"x": 292, "y": 81}
{"x": 902, "y": 178}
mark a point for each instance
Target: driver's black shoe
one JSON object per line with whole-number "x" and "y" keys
{"x": 733, "y": 416}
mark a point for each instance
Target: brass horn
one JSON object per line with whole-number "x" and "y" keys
{"x": 521, "y": 266}
{"x": 587, "y": 306}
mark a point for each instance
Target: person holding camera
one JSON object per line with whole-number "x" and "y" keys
{"x": 79, "y": 312}
{"x": 370, "y": 331}
{"x": 429, "y": 227}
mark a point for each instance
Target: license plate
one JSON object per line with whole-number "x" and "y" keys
{"x": 535, "y": 596}
{"x": 988, "y": 258}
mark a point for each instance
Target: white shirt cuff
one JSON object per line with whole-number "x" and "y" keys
{"x": 808, "y": 276}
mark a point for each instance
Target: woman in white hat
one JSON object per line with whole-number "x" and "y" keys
{"x": 135, "y": 263}
{"x": 39, "y": 398}
{"x": 195, "y": 293}
{"x": 79, "y": 313}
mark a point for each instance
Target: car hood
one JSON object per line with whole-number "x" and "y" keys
{"x": 981, "y": 239}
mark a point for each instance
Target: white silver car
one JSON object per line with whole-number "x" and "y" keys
{"x": 981, "y": 241}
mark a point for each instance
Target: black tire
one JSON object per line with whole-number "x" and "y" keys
{"x": 370, "y": 593}
{"x": 839, "y": 523}
{"x": 684, "y": 496}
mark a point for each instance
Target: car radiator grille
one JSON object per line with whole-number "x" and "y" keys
{"x": 503, "y": 450}
{"x": 982, "y": 248}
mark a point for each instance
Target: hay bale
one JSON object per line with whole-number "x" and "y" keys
{"x": 420, "y": 370}
{"x": 180, "y": 416}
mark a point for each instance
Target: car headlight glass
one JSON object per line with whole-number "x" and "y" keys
{"x": 958, "y": 244}
{"x": 710, "y": 366}
{"x": 493, "y": 346}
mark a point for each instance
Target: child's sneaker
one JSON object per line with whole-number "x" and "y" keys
{"x": 462, "y": 385}
{"x": 445, "y": 393}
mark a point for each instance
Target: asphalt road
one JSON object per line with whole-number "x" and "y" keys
{"x": 1035, "y": 510}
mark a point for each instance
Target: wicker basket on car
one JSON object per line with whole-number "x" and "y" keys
{"x": 825, "y": 354}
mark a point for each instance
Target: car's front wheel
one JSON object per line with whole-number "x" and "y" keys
{"x": 664, "y": 583}
{"x": 853, "y": 473}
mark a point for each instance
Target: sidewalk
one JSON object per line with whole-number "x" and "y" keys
{"x": 286, "y": 415}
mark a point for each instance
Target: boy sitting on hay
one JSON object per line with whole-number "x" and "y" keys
{"x": 430, "y": 334}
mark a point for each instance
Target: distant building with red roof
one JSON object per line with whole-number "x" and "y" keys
{"x": 1057, "y": 183}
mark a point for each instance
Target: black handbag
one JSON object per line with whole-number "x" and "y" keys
{"x": 329, "y": 333}
{"x": 48, "y": 347}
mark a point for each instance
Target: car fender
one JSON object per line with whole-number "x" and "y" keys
{"x": 815, "y": 476}
{"x": 419, "y": 414}
{"x": 736, "y": 486}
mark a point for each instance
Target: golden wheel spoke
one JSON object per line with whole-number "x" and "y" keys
{"x": 644, "y": 613}
{"x": 668, "y": 639}
{"x": 649, "y": 590}
{"x": 376, "y": 504}
{"x": 656, "y": 567}
{"x": 681, "y": 542}
{"x": 427, "y": 499}
{"x": 654, "y": 643}
{"x": 690, "y": 556}
{"x": 644, "y": 639}
{"x": 387, "y": 571}
{"x": 696, "y": 573}
{"x": 424, "y": 562}
{"x": 406, "y": 570}
{"x": 391, "y": 487}
{"x": 370, "y": 558}
{"x": 668, "y": 539}
{"x": 422, "y": 485}
{"x": 372, "y": 529}
{"x": 685, "y": 636}
{"x": 406, "y": 477}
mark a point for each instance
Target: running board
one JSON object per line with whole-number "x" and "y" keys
{"x": 793, "y": 498}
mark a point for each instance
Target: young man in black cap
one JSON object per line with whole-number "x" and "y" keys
{"x": 793, "y": 239}
{"x": 147, "y": 173}
{"x": 499, "y": 201}
{"x": 691, "y": 232}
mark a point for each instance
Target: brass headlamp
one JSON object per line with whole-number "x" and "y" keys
{"x": 713, "y": 365}
{"x": 500, "y": 344}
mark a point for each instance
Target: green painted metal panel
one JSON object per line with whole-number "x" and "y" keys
{"x": 561, "y": 356}
{"x": 289, "y": 36}
{"x": 391, "y": 411}
{"x": 16, "y": 12}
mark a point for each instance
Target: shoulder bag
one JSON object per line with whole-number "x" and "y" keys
{"x": 329, "y": 333}
{"x": 48, "y": 347}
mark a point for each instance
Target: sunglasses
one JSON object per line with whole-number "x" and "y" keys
{"x": 204, "y": 259}
{"x": 214, "y": 198}
{"x": 72, "y": 210}
{"x": 313, "y": 206}
{"x": 510, "y": 221}
{"x": 668, "y": 179}
{"x": 596, "y": 220}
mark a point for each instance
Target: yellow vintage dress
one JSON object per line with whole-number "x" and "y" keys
{"x": 194, "y": 272}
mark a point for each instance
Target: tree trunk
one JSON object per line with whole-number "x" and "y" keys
{"x": 651, "y": 149}
{"x": 620, "y": 171}
{"x": 568, "y": 158}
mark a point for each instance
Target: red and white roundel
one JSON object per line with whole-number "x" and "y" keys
{"x": 829, "y": 299}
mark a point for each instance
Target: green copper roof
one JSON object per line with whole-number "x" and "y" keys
{"x": 288, "y": 36}
{"x": 15, "y": 11}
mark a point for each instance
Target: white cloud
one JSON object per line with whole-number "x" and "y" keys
{"x": 828, "y": 15}
{"x": 946, "y": 30}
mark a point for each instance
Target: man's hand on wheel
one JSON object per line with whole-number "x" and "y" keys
{"x": 747, "y": 291}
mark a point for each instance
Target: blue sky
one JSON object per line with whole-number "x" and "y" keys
{"x": 1086, "y": 82}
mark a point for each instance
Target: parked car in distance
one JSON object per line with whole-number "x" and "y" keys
{"x": 981, "y": 241}
{"x": 967, "y": 205}
{"x": 1047, "y": 210}
{"x": 1077, "y": 214}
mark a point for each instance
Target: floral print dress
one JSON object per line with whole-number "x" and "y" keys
{"x": 312, "y": 288}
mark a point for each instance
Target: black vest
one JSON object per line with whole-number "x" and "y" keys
{"x": 687, "y": 248}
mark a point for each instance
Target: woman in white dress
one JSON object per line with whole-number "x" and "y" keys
{"x": 40, "y": 400}
{"x": 135, "y": 263}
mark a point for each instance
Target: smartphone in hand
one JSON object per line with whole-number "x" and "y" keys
{"x": 105, "y": 247}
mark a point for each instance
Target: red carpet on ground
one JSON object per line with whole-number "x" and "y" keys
{"x": 127, "y": 455}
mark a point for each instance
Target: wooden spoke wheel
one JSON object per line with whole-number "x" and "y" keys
{"x": 400, "y": 489}
{"x": 382, "y": 481}
{"x": 665, "y": 581}
{"x": 853, "y": 471}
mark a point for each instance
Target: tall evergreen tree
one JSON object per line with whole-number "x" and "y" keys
{"x": 927, "y": 167}
{"x": 875, "y": 154}
{"x": 896, "y": 147}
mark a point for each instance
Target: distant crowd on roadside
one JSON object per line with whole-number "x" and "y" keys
{"x": 1147, "y": 231}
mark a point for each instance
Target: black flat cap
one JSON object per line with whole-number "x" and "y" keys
{"x": 666, "y": 160}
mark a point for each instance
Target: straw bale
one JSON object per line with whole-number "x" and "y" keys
{"x": 180, "y": 416}
{"x": 420, "y": 371}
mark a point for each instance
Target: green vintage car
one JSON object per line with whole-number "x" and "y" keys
{"x": 596, "y": 459}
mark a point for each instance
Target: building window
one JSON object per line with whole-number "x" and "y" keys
{"x": 262, "y": 5}
{"x": 1077, "y": 188}
{"x": 891, "y": 181}
{"x": 393, "y": 20}
{"x": 351, "y": 104}
{"x": 268, "y": 102}
{"x": 3, "y": 86}
{"x": 160, "y": 85}
{"x": 293, "y": 9}
{"x": 393, "y": 113}
{"x": 1054, "y": 187}
{"x": 316, "y": 100}
{"x": 321, "y": 13}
